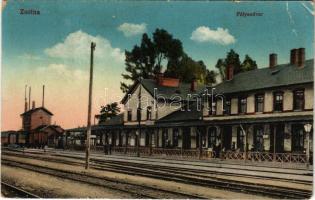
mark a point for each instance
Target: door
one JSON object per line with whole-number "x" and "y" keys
{"x": 277, "y": 138}
{"x": 297, "y": 138}
{"x": 227, "y": 137}
{"x": 186, "y": 138}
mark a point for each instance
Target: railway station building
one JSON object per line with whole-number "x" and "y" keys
{"x": 261, "y": 115}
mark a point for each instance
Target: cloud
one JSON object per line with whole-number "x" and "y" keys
{"x": 219, "y": 36}
{"x": 132, "y": 29}
{"x": 28, "y": 56}
{"x": 76, "y": 46}
{"x": 62, "y": 71}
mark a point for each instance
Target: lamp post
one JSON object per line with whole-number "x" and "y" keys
{"x": 307, "y": 128}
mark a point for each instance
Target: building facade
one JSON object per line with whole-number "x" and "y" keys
{"x": 261, "y": 115}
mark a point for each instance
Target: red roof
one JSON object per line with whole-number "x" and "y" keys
{"x": 36, "y": 109}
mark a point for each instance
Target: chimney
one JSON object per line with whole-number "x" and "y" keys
{"x": 159, "y": 77}
{"x": 272, "y": 60}
{"x": 25, "y": 107}
{"x": 229, "y": 72}
{"x": 301, "y": 57}
{"x": 294, "y": 57}
{"x": 29, "y": 98}
{"x": 43, "y": 100}
{"x": 33, "y": 104}
{"x": 193, "y": 85}
{"x": 25, "y": 99}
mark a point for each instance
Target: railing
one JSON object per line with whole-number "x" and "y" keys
{"x": 264, "y": 157}
{"x": 188, "y": 153}
{"x": 206, "y": 154}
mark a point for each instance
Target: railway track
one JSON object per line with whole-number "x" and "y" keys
{"x": 137, "y": 191}
{"x": 178, "y": 175}
{"x": 12, "y": 191}
{"x": 171, "y": 169}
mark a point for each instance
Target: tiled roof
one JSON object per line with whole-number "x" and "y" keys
{"x": 183, "y": 115}
{"x": 281, "y": 75}
{"x": 36, "y": 109}
{"x": 43, "y": 127}
{"x": 117, "y": 120}
{"x": 167, "y": 92}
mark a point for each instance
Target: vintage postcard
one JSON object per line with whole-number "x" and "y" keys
{"x": 157, "y": 99}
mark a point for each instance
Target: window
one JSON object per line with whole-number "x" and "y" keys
{"x": 259, "y": 103}
{"x": 212, "y": 105}
{"x": 298, "y": 100}
{"x": 242, "y": 105}
{"x": 278, "y": 101}
{"x": 240, "y": 139}
{"x": 212, "y": 137}
{"x": 258, "y": 138}
{"x": 227, "y": 107}
{"x": 149, "y": 113}
{"x": 297, "y": 138}
{"x": 129, "y": 115}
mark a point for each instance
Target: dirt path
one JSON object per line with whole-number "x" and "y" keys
{"x": 51, "y": 187}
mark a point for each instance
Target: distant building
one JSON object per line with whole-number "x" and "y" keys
{"x": 37, "y": 124}
{"x": 37, "y": 129}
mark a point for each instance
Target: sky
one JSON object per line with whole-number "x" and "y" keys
{"x": 53, "y": 48}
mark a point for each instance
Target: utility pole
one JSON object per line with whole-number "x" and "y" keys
{"x": 201, "y": 128}
{"x": 88, "y": 133}
{"x": 139, "y": 118}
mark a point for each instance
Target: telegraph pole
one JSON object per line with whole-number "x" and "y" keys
{"x": 139, "y": 119}
{"x": 88, "y": 133}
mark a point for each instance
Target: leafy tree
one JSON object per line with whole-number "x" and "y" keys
{"x": 109, "y": 111}
{"x": 163, "y": 51}
{"x": 232, "y": 58}
{"x": 140, "y": 62}
{"x": 187, "y": 69}
{"x": 211, "y": 77}
{"x": 248, "y": 64}
{"x": 147, "y": 59}
{"x": 221, "y": 67}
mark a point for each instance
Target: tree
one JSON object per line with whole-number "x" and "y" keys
{"x": 187, "y": 69}
{"x": 248, "y": 64}
{"x": 147, "y": 59}
{"x": 140, "y": 62}
{"x": 232, "y": 59}
{"x": 211, "y": 77}
{"x": 163, "y": 52}
{"x": 221, "y": 67}
{"x": 108, "y": 112}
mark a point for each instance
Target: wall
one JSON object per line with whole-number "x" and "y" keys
{"x": 268, "y": 101}
{"x": 251, "y": 104}
{"x": 147, "y": 100}
{"x": 287, "y": 100}
{"x": 309, "y": 97}
{"x": 40, "y": 117}
{"x": 234, "y": 106}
